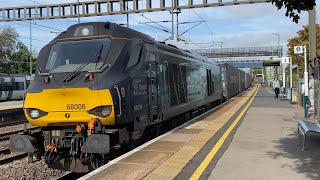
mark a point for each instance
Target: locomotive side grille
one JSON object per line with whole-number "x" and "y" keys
{"x": 173, "y": 78}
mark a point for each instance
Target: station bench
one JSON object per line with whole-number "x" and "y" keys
{"x": 283, "y": 94}
{"x": 283, "y": 97}
{"x": 304, "y": 127}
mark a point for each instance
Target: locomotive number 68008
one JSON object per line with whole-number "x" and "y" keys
{"x": 76, "y": 106}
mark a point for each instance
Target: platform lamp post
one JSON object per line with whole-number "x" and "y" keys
{"x": 303, "y": 50}
{"x": 278, "y": 34}
{"x": 279, "y": 54}
{"x": 306, "y": 93}
{"x": 290, "y": 59}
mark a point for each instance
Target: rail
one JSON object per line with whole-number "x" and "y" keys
{"x": 13, "y": 158}
{"x": 6, "y": 136}
{"x": 12, "y": 123}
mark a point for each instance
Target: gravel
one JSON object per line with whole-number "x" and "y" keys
{"x": 4, "y": 144}
{"x": 13, "y": 128}
{"x": 4, "y": 156}
{"x": 21, "y": 170}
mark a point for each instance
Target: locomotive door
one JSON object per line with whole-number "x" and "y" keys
{"x": 153, "y": 86}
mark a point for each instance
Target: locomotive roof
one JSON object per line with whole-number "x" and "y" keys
{"x": 104, "y": 29}
{"x": 116, "y": 31}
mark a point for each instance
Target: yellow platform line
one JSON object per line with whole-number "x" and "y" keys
{"x": 204, "y": 164}
{"x": 175, "y": 163}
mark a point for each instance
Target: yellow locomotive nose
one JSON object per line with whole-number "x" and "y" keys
{"x": 69, "y": 106}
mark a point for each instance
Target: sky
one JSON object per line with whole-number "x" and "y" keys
{"x": 235, "y": 26}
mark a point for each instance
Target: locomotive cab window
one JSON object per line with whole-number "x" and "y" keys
{"x": 86, "y": 55}
{"x": 135, "y": 56}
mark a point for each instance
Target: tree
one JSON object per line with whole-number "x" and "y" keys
{"x": 294, "y": 7}
{"x": 302, "y": 39}
{"x": 14, "y": 55}
{"x": 8, "y": 42}
{"x": 19, "y": 63}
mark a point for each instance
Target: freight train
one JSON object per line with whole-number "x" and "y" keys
{"x": 101, "y": 88}
{"x": 234, "y": 81}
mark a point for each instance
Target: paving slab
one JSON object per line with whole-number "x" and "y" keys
{"x": 5, "y": 105}
{"x": 266, "y": 146}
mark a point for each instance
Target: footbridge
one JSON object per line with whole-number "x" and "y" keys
{"x": 244, "y": 57}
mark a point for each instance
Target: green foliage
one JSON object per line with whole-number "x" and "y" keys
{"x": 294, "y": 7}
{"x": 14, "y": 55}
{"x": 302, "y": 39}
{"x": 8, "y": 42}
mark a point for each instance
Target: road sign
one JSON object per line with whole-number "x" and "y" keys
{"x": 298, "y": 50}
{"x": 285, "y": 60}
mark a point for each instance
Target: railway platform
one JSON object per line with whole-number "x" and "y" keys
{"x": 11, "y": 111}
{"x": 251, "y": 137}
{"x": 7, "y": 105}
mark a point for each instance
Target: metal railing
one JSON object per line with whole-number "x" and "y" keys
{"x": 239, "y": 52}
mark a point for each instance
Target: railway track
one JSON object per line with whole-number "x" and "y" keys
{"x": 12, "y": 123}
{"x": 6, "y": 136}
{"x": 5, "y": 151}
{"x": 13, "y": 158}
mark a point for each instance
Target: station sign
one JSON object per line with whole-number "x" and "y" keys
{"x": 298, "y": 49}
{"x": 285, "y": 60}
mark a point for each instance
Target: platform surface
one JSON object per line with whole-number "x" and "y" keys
{"x": 266, "y": 145}
{"x": 262, "y": 145}
{"x": 5, "y": 105}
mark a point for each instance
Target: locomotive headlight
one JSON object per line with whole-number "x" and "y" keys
{"x": 85, "y": 31}
{"x": 106, "y": 111}
{"x": 35, "y": 113}
{"x": 101, "y": 111}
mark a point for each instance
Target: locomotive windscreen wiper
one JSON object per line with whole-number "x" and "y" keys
{"x": 76, "y": 72}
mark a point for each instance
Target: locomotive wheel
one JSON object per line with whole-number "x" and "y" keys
{"x": 98, "y": 160}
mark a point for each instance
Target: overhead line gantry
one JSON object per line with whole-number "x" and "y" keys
{"x": 104, "y": 7}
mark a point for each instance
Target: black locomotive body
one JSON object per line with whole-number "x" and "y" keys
{"x": 101, "y": 87}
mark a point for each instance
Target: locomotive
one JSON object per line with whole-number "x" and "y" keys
{"x": 101, "y": 88}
